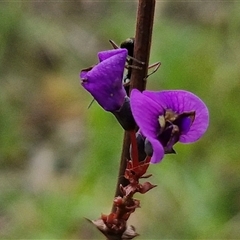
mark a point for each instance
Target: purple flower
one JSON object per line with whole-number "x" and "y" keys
{"x": 167, "y": 117}
{"x": 104, "y": 80}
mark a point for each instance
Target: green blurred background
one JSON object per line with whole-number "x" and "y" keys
{"x": 59, "y": 160}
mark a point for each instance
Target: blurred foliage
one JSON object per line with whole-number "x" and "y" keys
{"x": 59, "y": 160}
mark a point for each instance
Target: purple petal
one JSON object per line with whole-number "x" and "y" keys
{"x": 104, "y": 80}
{"x": 146, "y": 113}
{"x": 158, "y": 151}
{"x": 182, "y": 101}
{"x": 83, "y": 74}
{"x": 185, "y": 124}
{"x": 120, "y": 52}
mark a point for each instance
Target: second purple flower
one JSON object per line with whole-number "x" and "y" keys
{"x": 166, "y": 117}
{"x": 104, "y": 80}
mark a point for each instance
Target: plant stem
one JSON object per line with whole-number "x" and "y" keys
{"x": 125, "y": 156}
{"x": 142, "y": 44}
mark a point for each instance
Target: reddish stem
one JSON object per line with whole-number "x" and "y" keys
{"x": 134, "y": 155}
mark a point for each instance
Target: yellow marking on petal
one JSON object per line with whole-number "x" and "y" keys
{"x": 170, "y": 115}
{"x": 162, "y": 121}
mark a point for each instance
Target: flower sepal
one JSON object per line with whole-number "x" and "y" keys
{"x": 124, "y": 115}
